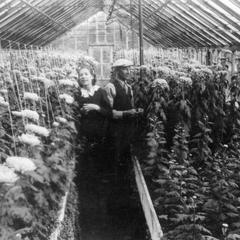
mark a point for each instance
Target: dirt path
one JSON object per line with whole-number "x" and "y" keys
{"x": 108, "y": 210}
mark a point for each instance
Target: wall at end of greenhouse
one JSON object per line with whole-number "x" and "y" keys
{"x": 99, "y": 39}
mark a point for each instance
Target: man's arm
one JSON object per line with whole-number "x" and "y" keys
{"x": 111, "y": 93}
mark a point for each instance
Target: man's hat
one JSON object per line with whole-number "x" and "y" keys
{"x": 122, "y": 63}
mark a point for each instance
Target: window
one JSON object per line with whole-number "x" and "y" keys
{"x": 103, "y": 54}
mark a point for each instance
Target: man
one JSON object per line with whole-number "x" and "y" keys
{"x": 120, "y": 96}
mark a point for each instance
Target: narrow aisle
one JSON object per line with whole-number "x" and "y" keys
{"x": 106, "y": 210}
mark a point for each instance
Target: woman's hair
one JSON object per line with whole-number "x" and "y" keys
{"x": 90, "y": 69}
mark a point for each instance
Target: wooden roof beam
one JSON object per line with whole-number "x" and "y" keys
{"x": 224, "y": 7}
{"x": 236, "y": 3}
{"x": 13, "y": 17}
{"x": 32, "y": 32}
{"x": 153, "y": 35}
{"x": 159, "y": 35}
{"x": 180, "y": 25}
{"x": 154, "y": 32}
{"x": 221, "y": 15}
{"x": 194, "y": 23}
{"x": 44, "y": 14}
{"x": 217, "y": 22}
{"x": 8, "y": 6}
{"x": 36, "y": 30}
{"x": 76, "y": 11}
{"x": 53, "y": 36}
{"x": 157, "y": 10}
{"x": 49, "y": 39}
{"x": 203, "y": 23}
{"x": 176, "y": 29}
{"x": 146, "y": 38}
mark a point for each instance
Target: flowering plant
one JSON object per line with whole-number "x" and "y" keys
{"x": 191, "y": 135}
{"x": 36, "y": 160}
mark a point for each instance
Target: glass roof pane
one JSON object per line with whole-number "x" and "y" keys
{"x": 4, "y": 3}
{"x": 231, "y": 5}
{"x": 221, "y": 20}
{"x": 225, "y": 12}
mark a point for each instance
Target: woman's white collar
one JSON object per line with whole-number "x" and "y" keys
{"x": 86, "y": 93}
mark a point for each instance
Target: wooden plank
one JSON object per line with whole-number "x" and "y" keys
{"x": 155, "y": 35}
{"x": 44, "y": 14}
{"x": 33, "y": 30}
{"x": 205, "y": 23}
{"x": 141, "y": 60}
{"x": 169, "y": 30}
{"x": 175, "y": 25}
{"x": 70, "y": 12}
{"x": 55, "y": 36}
{"x": 147, "y": 205}
{"x": 212, "y": 15}
{"x": 172, "y": 13}
{"x": 225, "y": 8}
{"x": 55, "y": 234}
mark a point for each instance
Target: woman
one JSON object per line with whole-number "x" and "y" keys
{"x": 91, "y": 113}
{"x": 93, "y": 108}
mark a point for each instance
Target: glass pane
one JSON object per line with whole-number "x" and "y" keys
{"x": 101, "y": 26}
{"x": 110, "y": 38}
{"x": 92, "y": 38}
{"x": 101, "y": 16}
{"x": 92, "y": 20}
{"x": 70, "y": 43}
{"x": 106, "y": 55}
{"x": 96, "y": 53}
{"x": 92, "y": 29}
{"x": 106, "y": 70}
{"x": 98, "y": 71}
{"x": 101, "y": 36}
{"x": 110, "y": 29}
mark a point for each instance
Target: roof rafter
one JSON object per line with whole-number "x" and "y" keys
{"x": 44, "y": 14}
{"x": 169, "y": 23}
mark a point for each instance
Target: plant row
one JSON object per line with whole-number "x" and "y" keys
{"x": 37, "y": 140}
{"x": 189, "y": 148}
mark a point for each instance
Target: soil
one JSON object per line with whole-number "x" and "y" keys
{"x": 109, "y": 207}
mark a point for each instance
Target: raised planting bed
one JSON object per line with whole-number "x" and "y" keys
{"x": 37, "y": 142}
{"x": 146, "y": 201}
{"x": 189, "y": 149}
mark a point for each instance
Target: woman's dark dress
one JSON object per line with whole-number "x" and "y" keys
{"x": 92, "y": 125}
{"x": 92, "y": 128}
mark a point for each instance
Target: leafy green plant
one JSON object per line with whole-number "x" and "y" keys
{"x": 192, "y": 147}
{"x": 31, "y": 200}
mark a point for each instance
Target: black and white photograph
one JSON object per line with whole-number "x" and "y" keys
{"x": 119, "y": 119}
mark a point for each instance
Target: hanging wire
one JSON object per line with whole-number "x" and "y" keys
{"x": 32, "y": 54}
{"x": 46, "y": 99}
{"x": 57, "y": 90}
{"x": 30, "y": 82}
{"x": 132, "y": 32}
{"x": 20, "y": 78}
{"x": 11, "y": 123}
{"x": 18, "y": 98}
{"x": 48, "y": 96}
{"x": 6, "y": 96}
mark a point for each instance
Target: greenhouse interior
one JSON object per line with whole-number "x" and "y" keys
{"x": 120, "y": 120}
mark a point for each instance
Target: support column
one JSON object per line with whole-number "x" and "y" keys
{"x": 140, "y": 33}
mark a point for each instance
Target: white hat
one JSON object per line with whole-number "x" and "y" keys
{"x": 122, "y": 63}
